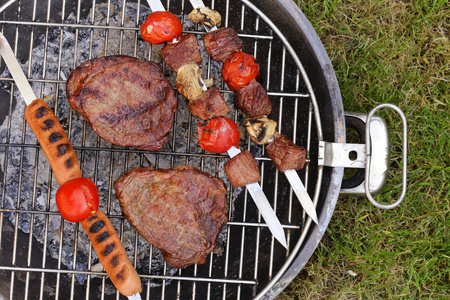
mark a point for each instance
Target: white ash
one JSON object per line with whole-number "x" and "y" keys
{"x": 20, "y": 169}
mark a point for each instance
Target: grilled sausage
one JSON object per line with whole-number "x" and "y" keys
{"x": 53, "y": 140}
{"x": 112, "y": 254}
{"x": 64, "y": 164}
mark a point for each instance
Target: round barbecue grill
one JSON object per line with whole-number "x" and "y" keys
{"x": 42, "y": 256}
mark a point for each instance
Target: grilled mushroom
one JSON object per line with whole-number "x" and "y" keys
{"x": 189, "y": 81}
{"x": 205, "y": 15}
{"x": 261, "y": 130}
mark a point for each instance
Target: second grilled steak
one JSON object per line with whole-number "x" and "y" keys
{"x": 180, "y": 211}
{"x": 127, "y": 101}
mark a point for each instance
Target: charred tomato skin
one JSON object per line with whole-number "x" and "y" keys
{"x": 77, "y": 199}
{"x": 161, "y": 27}
{"x": 218, "y": 134}
{"x": 239, "y": 69}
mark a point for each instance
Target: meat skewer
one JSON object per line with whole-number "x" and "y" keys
{"x": 222, "y": 135}
{"x": 286, "y": 155}
{"x": 184, "y": 58}
{"x": 239, "y": 71}
{"x": 182, "y": 54}
{"x": 78, "y": 200}
{"x": 224, "y": 45}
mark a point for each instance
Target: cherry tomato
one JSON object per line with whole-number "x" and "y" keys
{"x": 239, "y": 70}
{"x": 77, "y": 199}
{"x": 160, "y": 27}
{"x": 218, "y": 134}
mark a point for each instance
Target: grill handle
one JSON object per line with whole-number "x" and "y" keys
{"x": 370, "y": 157}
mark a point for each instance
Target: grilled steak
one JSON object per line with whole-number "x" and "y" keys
{"x": 128, "y": 102}
{"x": 221, "y": 43}
{"x": 208, "y": 105}
{"x": 285, "y": 154}
{"x": 84, "y": 72}
{"x": 242, "y": 169}
{"x": 185, "y": 51}
{"x": 253, "y": 100}
{"x": 180, "y": 210}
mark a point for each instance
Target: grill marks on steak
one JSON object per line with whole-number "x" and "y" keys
{"x": 84, "y": 72}
{"x": 253, "y": 100}
{"x": 180, "y": 210}
{"x": 221, "y": 43}
{"x": 127, "y": 101}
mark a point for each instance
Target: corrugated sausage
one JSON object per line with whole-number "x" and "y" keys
{"x": 112, "y": 254}
{"x": 53, "y": 140}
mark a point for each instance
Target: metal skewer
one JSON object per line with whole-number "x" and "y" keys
{"x": 302, "y": 195}
{"x": 263, "y": 205}
{"x": 25, "y": 89}
{"x": 155, "y": 5}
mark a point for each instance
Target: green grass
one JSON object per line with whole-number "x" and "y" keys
{"x": 397, "y": 52}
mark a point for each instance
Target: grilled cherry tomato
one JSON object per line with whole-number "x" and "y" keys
{"x": 239, "y": 70}
{"x": 218, "y": 134}
{"x": 77, "y": 199}
{"x": 160, "y": 27}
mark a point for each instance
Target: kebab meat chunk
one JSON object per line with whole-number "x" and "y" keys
{"x": 127, "y": 101}
{"x": 242, "y": 169}
{"x": 185, "y": 51}
{"x": 221, "y": 43}
{"x": 208, "y": 105}
{"x": 253, "y": 100}
{"x": 285, "y": 154}
{"x": 180, "y": 210}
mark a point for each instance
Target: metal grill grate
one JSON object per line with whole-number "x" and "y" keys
{"x": 42, "y": 256}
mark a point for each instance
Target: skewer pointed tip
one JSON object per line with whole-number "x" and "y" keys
{"x": 314, "y": 218}
{"x": 136, "y": 296}
{"x": 282, "y": 241}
